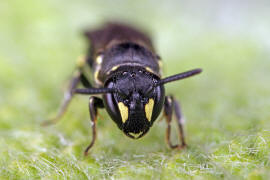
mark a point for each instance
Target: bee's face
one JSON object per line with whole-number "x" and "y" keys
{"x": 137, "y": 102}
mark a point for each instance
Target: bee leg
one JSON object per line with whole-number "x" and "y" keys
{"x": 78, "y": 77}
{"x": 85, "y": 81}
{"x": 180, "y": 123}
{"x": 170, "y": 105}
{"x": 94, "y": 104}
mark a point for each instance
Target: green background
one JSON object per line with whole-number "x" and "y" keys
{"x": 227, "y": 107}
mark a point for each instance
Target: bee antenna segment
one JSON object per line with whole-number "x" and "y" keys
{"x": 179, "y": 76}
{"x": 94, "y": 91}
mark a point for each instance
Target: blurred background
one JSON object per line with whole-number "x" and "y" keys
{"x": 226, "y": 107}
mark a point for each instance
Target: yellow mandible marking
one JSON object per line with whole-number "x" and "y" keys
{"x": 149, "y": 109}
{"x": 135, "y": 135}
{"x": 123, "y": 111}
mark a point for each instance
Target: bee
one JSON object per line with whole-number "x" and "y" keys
{"x": 122, "y": 73}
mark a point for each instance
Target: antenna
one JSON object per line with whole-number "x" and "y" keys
{"x": 180, "y": 76}
{"x": 94, "y": 91}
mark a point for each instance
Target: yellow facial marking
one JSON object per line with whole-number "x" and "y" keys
{"x": 149, "y": 109}
{"x": 123, "y": 111}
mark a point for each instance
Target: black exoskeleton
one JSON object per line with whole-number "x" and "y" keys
{"x": 123, "y": 67}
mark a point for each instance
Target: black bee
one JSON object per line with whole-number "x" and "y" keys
{"x": 122, "y": 66}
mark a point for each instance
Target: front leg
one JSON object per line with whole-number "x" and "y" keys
{"x": 94, "y": 104}
{"x": 78, "y": 76}
{"x": 170, "y": 105}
